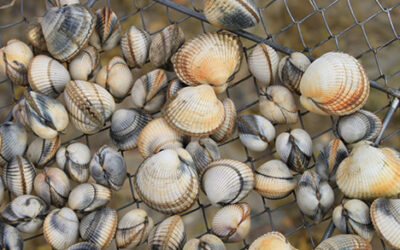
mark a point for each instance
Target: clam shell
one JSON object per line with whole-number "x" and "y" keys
{"x": 88, "y": 118}
{"x": 344, "y": 241}
{"x": 19, "y": 113}
{"x": 226, "y": 181}
{"x": 108, "y": 30}
{"x": 169, "y": 234}
{"x": 369, "y": 172}
{"x": 273, "y": 180}
{"x": 99, "y": 226}
{"x": 67, "y": 30}
{"x": 271, "y": 240}
{"x": 13, "y": 140}
{"x": 290, "y": 70}
{"x": 52, "y": 185}
{"x": 83, "y": 246}
{"x": 18, "y": 176}
{"x": 60, "y": 228}
{"x": 59, "y": 3}
{"x": 329, "y": 159}
{"x": 195, "y": 111}
{"x": 263, "y": 64}
{"x": 41, "y": 151}
{"x": 203, "y": 152}
{"x": 126, "y": 126}
{"x": 232, "y": 223}
{"x": 228, "y": 127}
{"x": 10, "y": 238}
{"x": 255, "y": 132}
{"x": 88, "y": 197}
{"x": 36, "y": 38}
{"x": 74, "y": 160}
{"x": 174, "y": 86}
{"x": 173, "y": 189}
{"x": 135, "y": 46}
{"x": 334, "y": 84}
{"x": 133, "y": 228}
{"x": 205, "y": 242}
{"x": 85, "y": 65}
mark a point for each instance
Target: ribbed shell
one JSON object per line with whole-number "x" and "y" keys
{"x": 41, "y": 151}
{"x": 67, "y": 30}
{"x": 10, "y": 238}
{"x": 74, "y": 159}
{"x": 59, "y": 3}
{"x": 271, "y": 240}
{"x": 85, "y": 65}
{"x": 369, "y": 172}
{"x": 52, "y": 185}
{"x": 2, "y": 191}
{"x": 169, "y": 234}
{"x": 203, "y": 151}
{"x": 344, "y": 241}
{"x": 135, "y": 45}
{"x": 167, "y": 181}
{"x": 108, "y": 30}
{"x": 226, "y": 181}
{"x": 174, "y": 86}
{"x": 88, "y": 118}
{"x": 195, "y": 111}
{"x": 88, "y": 197}
{"x": 291, "y": 69}
{"x": 13, "y": 140}
{"x": 205, "y": 242}
{"x": 18, "y": 176}
{"x": 229, "y": 125}
{"x": 263, "y": 64}
{"x": 83, "y": 246}
{"x": 36, "y": 38}
{"x": 19, "y": 113}
{"x": 334, "y": 84}
{"x": 329, "y": 159}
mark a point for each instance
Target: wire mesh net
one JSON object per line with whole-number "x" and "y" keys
{"x": 365, "y": 29}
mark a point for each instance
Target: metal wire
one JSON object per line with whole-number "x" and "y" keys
{"x": 381, "y": 81}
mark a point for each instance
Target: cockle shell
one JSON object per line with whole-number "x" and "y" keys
{"x": 74, "y": 160}
{"x": 226, "y": 181}
{"x": 334, "y": 84}
{"x": 232, "y": 223}
{"x": 41, "y": 151}
{"x": 133, "y": 228}
{"x": 67, "y": 30}
{"x": 263, "y": 64}
{"x": 36, "y": 38}
{"x": 10, "y": 238}
{"x": 85, "y": 65}
{"x": 329, "y": 159}
{"x": 273, "y": 180}
{"x": 291, "y": 69}
{"x": 135, "y": 45}
{"x": 352, "y": 216}
{"x": 88, "y": 197}
{"x": 148, "y": 92}
{"x": 314, "y": 196}
{"x": 210, "y": 58}
{"x": 19, "y": 113}
{"x": 99, "y": 226}
{"x": 195, "y": 111}
{"x": 83, "y": 246}
{"x": 229, "y": 125}
{"x": 26, "y": 213}
{"x": 18, "y": 176}
{"x": 47, "y": 76}
{"x": 203, "y": 151}
{"x": 362, "y": 125}
{"x": 60, "y": 228}
{"x": 89, "y": 105}
{"x": 2, "y": 191}
{"x": 59, "y": 3}
{"x": 278, "y": 105}
{"x": 126, "y": 125}
{"x": 13, "y": 140}
{"x": 295, "y": 149}
{"x": 255, "y": 132}
{"x": 14, "y": 61}
{"x": 164, "y": 44}
{"x": 205, "y": 242}
{"x": 369, "y": 172}
{"x": 167, "y": 181}
{"x": 156, "y": 136}
{"x": 108, "y": 30}
{"x": 52, "y": 185}
{"x": 169, "y": 234}
{"x": 174, "y": 86}
{"x": 271, "y": 240}
{"x": 344, "y": 241}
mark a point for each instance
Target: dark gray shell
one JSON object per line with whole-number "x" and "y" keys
{"x": 169, "y": 234}
{"x": 18, "y": 176}
{"x": 329, "y": 159}
{"x": 10, "y": 238}
{"x": 83, "y": 246}
{"x": 291, "y": 69}
{"x": 108, "y": 30}
{"x": 13, "y": 140}
{"x": 203, "y": 152}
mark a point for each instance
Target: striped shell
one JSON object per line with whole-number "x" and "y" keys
{"x": 263, "y": 64}
{"x": 85, "y": 65}
{"x": 36, "y": 38}
{"x": 2, "y": 191}
{"x": 10, "y": 237}
{"x": 135, "y": 45}
{"x": 203, "y": 151}
{"x": 344, "y": 241}
{"x": 229, "y": 125}
{"x": 83, "y": 246}
{"x": 59, "y": 3}
{"x": 40, "y": 152}
{"x": 52, "y": 185}
{"x": 291, "y": 69}
{"x": 18, "y": 176}
{"x": 74, "y": 160}
{"x": 108, "y": 30}
{"x": 88, "y": 197}
{"x": 334, "y": 84}
{"x": 271, "y": 240}
{"x": 205, "y": 242}
{"x": 13, "y": 140}
{"x": 169, "y": 234}
{"x": 174, "y": 86}
{"x": 19, "y": 113}
{"x": 329, "y": 159}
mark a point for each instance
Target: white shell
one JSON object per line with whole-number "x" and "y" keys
{"x": 263, "y": 64}
{"x": 74, "y": 160}
{"x": 135, "y": 45}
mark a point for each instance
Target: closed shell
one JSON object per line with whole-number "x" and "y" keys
{"x": 13, "y": 140}
{"x": 74, "y": 160}
{"x": 255, "y": 132}
{"x": 85, "y": 65}
{"x": 83, "y": 246}
{"x": 88, "y": 197}
{"x": 291, "y": 69}
{"x": 271, "y": 240}
{"x": 229, "y": 125}
{"x": 18, "y": 176}
{"x": 203, "y": 152}
{"x": 36, "y": 38}
{"x": 174, "y": 86}
{"x": 344, "y": 241}
{"x": 10, "y": 237}
{"x": 135, "y": 45}
{"x": 59, "y": 3}
{"x": 41, "y": 151}
{"x": 108, "y": 30}
{"x": 52, "y": 185}
{"x": 263, "y": 64}
{"x": 19, "y": 113}
{"x": 205, "y": 242}
{"x": 329, "y": 159}
{"x": 169, "y": 234}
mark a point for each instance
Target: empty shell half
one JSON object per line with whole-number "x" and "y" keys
{"x": 263, "y": 64}
{"x": 271, "y": 240}
{"x": 52, "y": 185}
{"x": 344, "y": 241}
{"x": 74, "y": 160}
{"x": 108, "y": 30}
{"x": 203, "y": 151}
{"x": 10, "y": 237}
{"x": 88, "y": 197}
{"x": 229, "y": 125}
{"x": 41, "y": 151}
{"x": 207, "y": 241}
{"x": 169, "y": 234}
{"x": 291, "y": 69}
{"x": 255, "y": 132}
{"x": 18, "y": 176}
{"x": 13, "y": 140}
{"x": 85, "y": 65}
{"x": 135, "y": 45}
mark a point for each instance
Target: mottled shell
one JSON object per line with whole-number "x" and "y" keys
{"x": 210, "y": 58}
{"x": 329, "y": 159}
{"x": 167, "y": 181}
{"x": 18, "y": 176}
{"x": 278, "y": 105}
{"x": 108, "y": 30}
{"x": 232, "y": 223}
{"x": 314, "y": 196}
{"x": 74, "y": 160}
{"x": 255, "y": 132}
{"x": 83, "y": 246}
{"x": 169, "y": 234}
{"x": 13, "y": 140}
{"x": 205, "y": 242}
{"x": 263, "y": 64}
{"x": 291, "y": 69}
{"x": 295, "y": 149}
{"x": 41, "y": 151}
{"x": 99, "y": 226}
{"x": 126, "y": 125}
{"x": 229, "y": 125}
{"x": 85, "y": 65}
{"x": 203, "y": 151}
{"x": 133, "y": 228}
{"x": 271, "y": 240}
{"x": 195, "y": 111}
{"x": 89, "y": 105}
{"x": 60, "y": 228}
{"x": 174, "y": 86}
{"x": 67, "y": 30}
{"x": 36, "y": 38}
{"x": 135, "y": 46}
{"x": 88, "y": 197}
{"x": 344, "y": 241}
{"x": 59, "y": 3}
{"x": 10, "y": 238}
{"x": 52, "y": 185}
{"x": 369, "y": 172}
{"x": 226, "y": 181}
{"x": 334, "y": 84}
{"x": 274, "y": 180}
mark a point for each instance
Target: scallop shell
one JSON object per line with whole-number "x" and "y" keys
{"x": 172, "y": 190}
{"x": 271, "y": 240}
{"x": 10, "y": 238}
{"x": 314, "y": 196}
{"x": 13, "y": 140}
{"x": 255, "y": 132}
{"x": 169, "y": 234}
{"x": 226, "y": 181}
{"x": 369, "y": 172}
{"x": 60, "y": 228}
{"x": 295, "y": 149}
{"x": 18, "y": 176}
{"x": 74, "y": 159}
{"x": 263, "y": 64}
{"x": 194, "y": 111}
{"x": 210, "y": 58}
{"x": 329, "y": 159}
{"x": 47, "y": 76}
{"x": 205, "y": 242}
{"x": 108, "y": 30}
{"x": 135, "y": 46}
{"x": 232, "y": 223}
{"x": 203, "y": 152}
{"x": 344, "y": 241}
{"x": 229, "y": 125}
{"x": 19, "y": 113}
{"x": 52, "y": 185}
{"x": 88, "y": 118}
{"x": 67, "y": 30}
{"x": 334, "y": 84}
{"x": 83, "y": 246}
{"x": 273, "y": 180}
{"x": 40, "y": 152}
{"x": 291, "y": 69}
{"x": 85, "y": 65}
{"x": 278, "y": 105}
{"x": 133, "y": 229}
{"x": 36, "y": 38}
{"x": 59, "y": 3}
{"x": 126, "y": 126}
{"x": 174, "y": 86}
{"x": 88, "y": 197}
